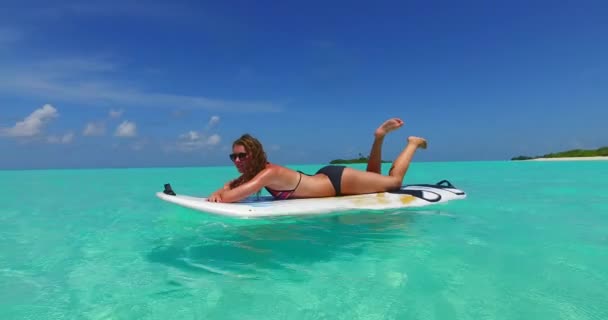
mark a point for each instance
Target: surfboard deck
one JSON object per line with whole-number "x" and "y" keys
{"x": 415, "y": 195}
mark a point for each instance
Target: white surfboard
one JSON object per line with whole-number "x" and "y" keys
{"x": 265, "y": 206}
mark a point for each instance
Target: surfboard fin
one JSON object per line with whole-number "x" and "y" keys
{"x": 446, "y": 183}
{"x": 168, "y": 190}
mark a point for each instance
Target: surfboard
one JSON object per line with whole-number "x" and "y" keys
{"x": 414, "y": 195}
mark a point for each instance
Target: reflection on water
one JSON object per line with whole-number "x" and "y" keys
{"x": 290, "y": 245}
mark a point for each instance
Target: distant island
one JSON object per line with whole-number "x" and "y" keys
{"x": 575, "y": 153}
{"x": 361, "y": 159}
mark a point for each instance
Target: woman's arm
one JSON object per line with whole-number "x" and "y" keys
{"x": 224, "y": 188}
{"x": 247, "y": 188}
{"x": 218, "y": 193}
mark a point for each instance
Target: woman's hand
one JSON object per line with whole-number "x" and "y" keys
{"x": 215, "y": 197}
{"x": 250, "y": 187}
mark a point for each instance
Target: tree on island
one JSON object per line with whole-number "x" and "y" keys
{"x": 575, "y": 153}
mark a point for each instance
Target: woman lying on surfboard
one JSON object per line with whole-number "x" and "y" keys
{"x": 283, "y": 183}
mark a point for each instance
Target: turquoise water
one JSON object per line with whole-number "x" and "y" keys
{"x": 529, "y": 242}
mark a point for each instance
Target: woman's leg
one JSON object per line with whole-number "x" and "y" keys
{"x": 374, "y": 162}
{"x": 402, "y": 163}
{"x": 359, "y": 182}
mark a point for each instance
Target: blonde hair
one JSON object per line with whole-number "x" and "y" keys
{"x": 256, "y": 160}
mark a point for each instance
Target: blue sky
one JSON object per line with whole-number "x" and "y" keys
{"x": 137, "y": 84}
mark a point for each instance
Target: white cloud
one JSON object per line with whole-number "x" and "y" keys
{"x": 94, "y": 129}
{"x": 115, "y": 113}
{"x": 93, "y": 82}
{"x": 191, "y": 135}
{"x": 214, "y": 139}
{"x": 65, "y": 139}
{"x": 33, "y": 124}
{"x": 194, "y": 140}
{"x": 99, "y": 128}
{"x": 213, "y": 121}
{"x": 126, "y": 129}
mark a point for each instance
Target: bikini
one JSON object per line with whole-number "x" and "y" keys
{"x": 334, "y": 173}
{"x": 284, "y": 194}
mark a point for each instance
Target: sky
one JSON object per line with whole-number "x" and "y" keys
{"x": 141, "y": 84}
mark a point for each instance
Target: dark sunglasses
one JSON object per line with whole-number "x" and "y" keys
{"x": 240, "y": 155}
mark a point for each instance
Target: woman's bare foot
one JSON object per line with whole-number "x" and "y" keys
{"x": 388, "y": 126}
{"x": 419, "y": 142}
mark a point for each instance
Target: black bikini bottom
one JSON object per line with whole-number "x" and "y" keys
{"x": 334, "y": 173}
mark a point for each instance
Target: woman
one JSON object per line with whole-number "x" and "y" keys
{"x": 283, "y": 183}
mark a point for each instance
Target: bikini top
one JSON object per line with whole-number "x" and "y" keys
{"x": 284, "y": 194}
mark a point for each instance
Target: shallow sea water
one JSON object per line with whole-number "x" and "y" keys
{"x": 529, "y": 242}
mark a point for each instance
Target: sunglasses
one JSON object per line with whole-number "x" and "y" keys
{"x": 241, "y": 156}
